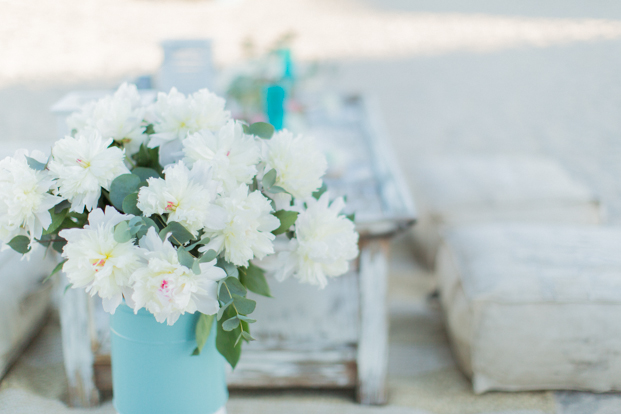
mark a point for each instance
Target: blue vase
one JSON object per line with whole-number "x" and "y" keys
{"x": 154, "y": 372}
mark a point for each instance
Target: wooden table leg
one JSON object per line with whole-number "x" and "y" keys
{"x": 77, "y": 350}
{"x": 373, "y": 342}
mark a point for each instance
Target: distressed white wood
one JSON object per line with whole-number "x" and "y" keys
{"x": 533, "y": 307}
{"x": 24, "y": 301}
{"x": 77, "y": 346}
{"x": 456, "y": 190}
{"x": 187, "y": 66}
{"x": 373, "y": 342}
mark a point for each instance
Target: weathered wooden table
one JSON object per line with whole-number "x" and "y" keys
{"x": 331, "y": 338}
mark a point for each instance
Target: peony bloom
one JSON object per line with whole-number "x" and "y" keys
{"x": 187, "y": 197}
{"x": 168, "y": 289}
{"x": 232, "y": 154}
{"x": 325, "y": 242}
{"x": 298, "y": 163}
{"x": 177, "y": 115}
{"x": 98, "y": 262}
{"x": 83, "y": 165}
{"x": 247, "y": 230}
{"x": 25, "y": 198}
{"x": 118, "y": 116}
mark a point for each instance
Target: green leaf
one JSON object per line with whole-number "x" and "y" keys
{"x": 121, "y": 232}
{"x": 203, "y": 329}
{"x": 230, "y": 324}
{"x": 238, "y": 339}
{"x": 21, "y": 244}
{"x": 69, "y": 286}
{"x": 260, "y": 129}
{"x": 244, "y": 305}
{"x": 185, "y": 258}
{"x": 130, "y": 204}
{"x": 287, "y": 219}
{"x": 208, "y": 256}
{"x": 149, "y": 129}
{"x": 58, "y": 244}
{"x": 229, "y": 268}
{"x": 65, "y": 204}
{"x": 202, "y": 241}
{"x": 253, "y": 278}
{"x": 121, "y": 187}
{"x": 246, "y": 319}
{"x": 247, "y": 336}
{"x": 57, "y": 220}
{"x": 235, "y": 286}
{"x": 269, "y": 179}
{"x": 223, "y": 309}
{"x": 149, "y": 158}
{"x": 180, "y": 235}
{"x": 145, "y": 173}
{"x": 275, "y": 189}
{"x": 351, "y": 217}
{"x": 56, "y": 270}
{"x": 226, "y": 340}
{"x": 34, "y": 164}
{"x": 317, "y": 194}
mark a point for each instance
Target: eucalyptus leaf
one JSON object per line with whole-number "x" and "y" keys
{"x": 235, "y": 286}
{"x": 275, "y": 189}
{"x": 196, "y": 267}
{"x": 224, "y": 294}
{"x": 145, "y": 173}
{"x": 244, "y": 305}
{"x": 34, "y": 164}
{"x": 287, "y": 219}
{"x": 260, "y": 129}
{"x": 121, "y": 232}
{"x": 121, "y": 187}
{"x": 253, "y": 277}
{"x": 185, "y": 258}
{"x": 229, "y": 268}
{"x": 179, "y": 234}
{"x": 246, "y": 319}
{"x": 230, "y": 324}
{"x": 223, "y": 309}
{"x": 208, "y": 256}
{"x": 269, "y": 179}
{"x": 58, "y": 244}
{"x": 247, "y": 336}
{"x": 203, "y": 330}
{"x": 130, "y": 204}
{"x": 21, "y": 244}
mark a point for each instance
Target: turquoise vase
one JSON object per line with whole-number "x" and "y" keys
{"x": 154, "y": 372}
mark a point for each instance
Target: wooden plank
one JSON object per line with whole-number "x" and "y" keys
{"x": 77, "y": 347}
{"x": 372, "y": 357}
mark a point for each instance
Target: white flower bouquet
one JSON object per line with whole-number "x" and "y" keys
{"x": 176, "y": 208}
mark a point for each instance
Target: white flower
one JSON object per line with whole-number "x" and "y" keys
{"x": 177, "y": 115}
{"x": 24, "y": 197}
{"x": 298, "y": 163}
{"x": 232, "y": 154}
{"x": 325, "y": 242}
{"x": 168, "y": 289}
{"x": 247, "y": 230}
{"x": 98, "y": 262}
{"x": 83, "y": 165}
{"x": 118, "y": 116}
{"x": 187, "y": 197}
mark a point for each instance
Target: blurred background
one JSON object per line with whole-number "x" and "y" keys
{"x": 451, "y": 78}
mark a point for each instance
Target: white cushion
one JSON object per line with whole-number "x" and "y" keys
{"x": 534, "y": 307}
{"x": 455, "y": 190}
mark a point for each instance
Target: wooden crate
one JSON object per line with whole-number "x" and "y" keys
{"x": 331, "y": 338}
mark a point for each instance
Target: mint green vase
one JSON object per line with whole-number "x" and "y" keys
{"x": 154, "y": 372}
